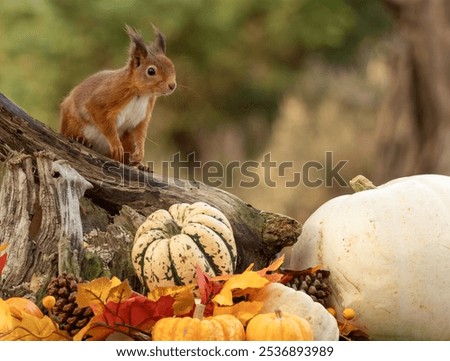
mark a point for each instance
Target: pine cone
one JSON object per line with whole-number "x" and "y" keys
{"x": 66, "y": 312}
{"x": 314, "y": 283}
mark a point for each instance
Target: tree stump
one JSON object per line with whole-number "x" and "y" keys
{"x": 65, "y": 208}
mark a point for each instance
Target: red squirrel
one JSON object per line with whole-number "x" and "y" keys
{"x": 110, "y": 110}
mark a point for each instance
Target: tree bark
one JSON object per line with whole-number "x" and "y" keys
{"x": 116, "y": 200}
{"x": 414, "y": 127}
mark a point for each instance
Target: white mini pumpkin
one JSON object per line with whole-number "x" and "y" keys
{"x": 388, "y": 252}
{"x": 169, "y": 245}
{"x": 278, "y": 296}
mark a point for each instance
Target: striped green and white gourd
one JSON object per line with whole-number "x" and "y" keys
{"x": 169, "y": 245}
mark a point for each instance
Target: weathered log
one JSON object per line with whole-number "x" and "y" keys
{"x": 17, "y": 200}
{"x": 40, "y": 222}
{"x": 70, "y": 187}
{"x": 117, "y": 188}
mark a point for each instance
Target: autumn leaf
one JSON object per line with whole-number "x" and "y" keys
{"x": 243, "y": 281}
{"x": 183, "y": 296}
{"x": 120, "y": 293}
{"x": 3, "y": 257}
{"x": 270, "y": 272}
{"x": 134, "y": 316}
{"x": 32, "y": 328}
{"x": 16, "y": 325}
{"x": 243, "y": 311}
{"x": 2, "y": 262}
{"x": 100, "y": 291}
{"x": 288, "y": 275}
{"x": 349, "y": 332}
{"x": 139, "y": 312}
{"x": 206, "y": 286}
{"x": 6, "y": 320}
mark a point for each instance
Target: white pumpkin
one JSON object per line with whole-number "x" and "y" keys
{"x": 169, "y": 245}
{"x": 278, "y": 296}
{"x": 388, "y": 252}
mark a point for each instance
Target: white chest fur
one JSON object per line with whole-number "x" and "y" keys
{"x": 132, "y": 114}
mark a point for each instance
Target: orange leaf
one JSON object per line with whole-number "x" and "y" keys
{"x": 3, "y": 246}
{"x": 248, "y": 279}
{"x": 6, "y": 320}
{"x": 132, "y": 316}
{"x": 273, "y": 266}
{"x": 243, "y": 311}
{"x": 120, "y": 293}
{"x": 288, "y": 275}
{"x": 100, "y": 291}
{"x": 94, "y": 292}
{"x": 17, "y": 325}
{"x": 182, "y": 295}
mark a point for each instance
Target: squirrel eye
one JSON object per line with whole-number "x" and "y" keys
{"x": 151, "y": 70}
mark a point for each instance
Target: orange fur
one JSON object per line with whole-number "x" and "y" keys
{"x": 111, "y": 109}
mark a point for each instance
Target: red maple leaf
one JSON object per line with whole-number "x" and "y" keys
{"x": 138, "y": 312}
{"x": 135, "y": 314}
{"x": 2, "y": 262}
{"x": 207, "y": 289}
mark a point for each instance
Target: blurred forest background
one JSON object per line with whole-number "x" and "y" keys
{"x": 291, "y": 78}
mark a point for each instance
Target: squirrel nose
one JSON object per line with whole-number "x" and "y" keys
{"x": 172, "y": 86}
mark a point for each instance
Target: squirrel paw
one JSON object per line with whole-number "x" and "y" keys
{"x": 118, "y": 154}
{"x": 82, "y": 141}
{"x": 141, "y": 166}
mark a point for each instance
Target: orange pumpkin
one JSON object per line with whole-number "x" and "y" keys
{"x": 278, "y": 326}
{"x": 24, "y": 305}
{"x": 215, "y": 328}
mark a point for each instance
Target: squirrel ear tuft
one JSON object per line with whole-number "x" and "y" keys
{"x": 138, "y": 49}
{"x": 159, "y": 43}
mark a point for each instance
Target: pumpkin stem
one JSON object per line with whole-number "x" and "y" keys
{"x": 172, "y": 227}
{"x": 278, "y": 313}
{"x": 198, "y": 311}
{"x": 361, "y": 183}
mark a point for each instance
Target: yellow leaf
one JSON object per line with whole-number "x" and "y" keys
{"x": 6, "y": 321}
{"x": 243, "y": 311}
{"x": 95, "y": 330}
{"x": 79, "y": 336}
{"x": 3, "y": 246}
{"x": 248, "y": 279}
{"x": 94, "y": 292}
{"x": 183, "y": 296}
{"x": 18, "y": 325}
{"x": 265, "y": 272}
{"x": 34, "y": 328}
{"x": 115, "y": 281}
{"x": 120, "y": 292}
{"x": 226, "y": 277}
{"x": 98, "y": 292}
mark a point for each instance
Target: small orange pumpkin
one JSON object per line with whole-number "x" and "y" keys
{"x": 215, "y": 328}
{"x": 24, "y": 305}
{"x": 278, "y": 326}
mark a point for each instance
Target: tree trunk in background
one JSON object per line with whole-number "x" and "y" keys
{"x": 414, "y": 126}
